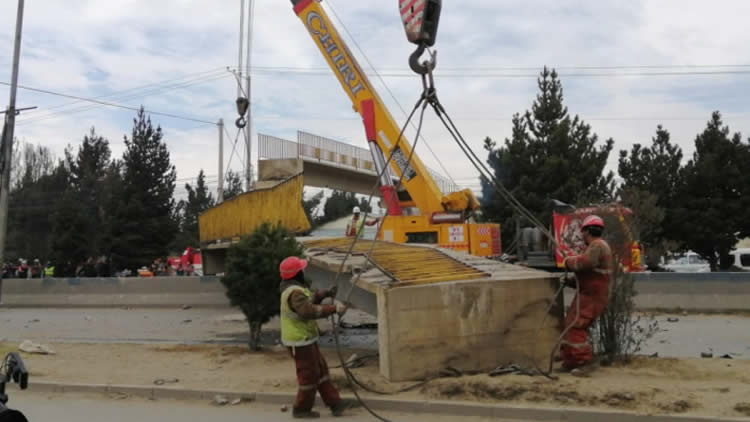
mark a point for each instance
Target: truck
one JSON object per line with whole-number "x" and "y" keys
{"x": 534, "y": 250}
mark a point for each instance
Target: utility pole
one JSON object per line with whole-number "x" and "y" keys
{"x": 248, "y": 119}
{"x": 220, "y": 191}
{"x": 7, "y": 140}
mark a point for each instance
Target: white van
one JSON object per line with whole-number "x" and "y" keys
{"x": 741, "y": 258}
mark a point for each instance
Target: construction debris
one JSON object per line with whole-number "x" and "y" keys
{"x": 27, "y": 346}
{"x": 220, "y": 400}
{"x": 511, "y": 369}
{"x": 162, "y": 381}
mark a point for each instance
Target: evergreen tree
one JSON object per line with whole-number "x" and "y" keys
{"x": 653, "y": 170}
{"x": 549, "y": 156}
{"x": 340, "y": 204}
{"x": 71, "y": 244}
{"x": 35, "y": 191}
{"x": 715, "y": 195}
{"x": 199, "y": 199}
{"x": 232, "y": 185}
{"x": 144, "y": 223}
{"x": 311, "y": 207}
{"x": 88, "y": 170}
{"x": 252, "y": 275}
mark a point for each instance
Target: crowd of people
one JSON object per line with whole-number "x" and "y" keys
{"x": 188, "y": 264}
{"x": 92, "y": 267}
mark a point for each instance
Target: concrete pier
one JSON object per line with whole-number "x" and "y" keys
{"x": 438, "y": 309}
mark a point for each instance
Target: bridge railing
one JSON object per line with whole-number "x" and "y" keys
{"x": 332, "y": 152}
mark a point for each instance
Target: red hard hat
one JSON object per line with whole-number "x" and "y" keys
{"x": 289, "y": 267}
{"x": 592, "y": 221}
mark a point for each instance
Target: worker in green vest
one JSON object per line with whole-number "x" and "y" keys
{"x": 49, "y": 270}
{"x": 300, "y": 307}
{"x": 356, "y": 225}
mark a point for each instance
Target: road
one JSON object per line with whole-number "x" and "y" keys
{"x": 183, "y": 326}
{"x": 691, "y": 335}
{"x": 688, "y": 337}
{"x": 75, "y": 408}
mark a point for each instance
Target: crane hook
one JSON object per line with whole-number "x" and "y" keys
{"x": 242, "y": 106}
{"x": 425, "y": 67}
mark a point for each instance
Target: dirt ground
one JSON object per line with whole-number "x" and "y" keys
{"x": 709, "y": 387}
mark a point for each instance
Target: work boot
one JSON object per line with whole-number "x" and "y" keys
{"x": 585, "y": 370}
{"x": 340, "y": 407}
{"x": 305, "y": 414}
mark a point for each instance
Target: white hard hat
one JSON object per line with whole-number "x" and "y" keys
{"x": 356, "y": 210}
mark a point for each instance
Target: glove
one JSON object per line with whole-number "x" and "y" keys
{"x": 332, "y": 292}
{"x": 341, "y": 308}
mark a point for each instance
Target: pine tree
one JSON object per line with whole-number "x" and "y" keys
{"x": 144, "y": 223}
{"x": 549, "y": 156}
{"x": 653, "y": 171}
{"x": 199, "y": 199}
{"x": 232, "y": 185}
{"x": 715, "y": 195}
{"x": 34, "y": 192}
{"x": 89, "y": 170}
{"x": 252, "y": 276}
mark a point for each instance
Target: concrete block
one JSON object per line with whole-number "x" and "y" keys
{"x": 473, "y": 326}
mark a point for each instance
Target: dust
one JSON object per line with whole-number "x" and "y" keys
{"x": 181, "y": 348}
{"x": 679, "y": 406}
{"x": 743, "y": 408}
{"x": 552, "y": 393}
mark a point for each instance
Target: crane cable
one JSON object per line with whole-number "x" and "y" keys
{"x": 511, "y": 199}
{"x": 352, "y": 381}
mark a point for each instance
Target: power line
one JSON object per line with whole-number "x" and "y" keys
{"x": 495, "y": 75}
{"x": 110, "y": 104}
{"x": 526, "y": 68}
{"x": 138, "y": 88}
{"x": 393, "y": 96}
{"x": 509, "y": 117}
{"x": 184, "y": 84}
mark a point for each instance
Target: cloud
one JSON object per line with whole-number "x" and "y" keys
{"x": 93, "y": 48}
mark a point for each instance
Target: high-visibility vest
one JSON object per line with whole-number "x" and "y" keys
{"x": 359, "y": 227}
{"x": 295, "y": 331}
{"x": 49, "y": 271}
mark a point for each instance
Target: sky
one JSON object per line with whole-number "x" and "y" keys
{"x": 625, "y": 67}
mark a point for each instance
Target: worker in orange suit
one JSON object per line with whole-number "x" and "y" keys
{"x": 593, "y": 269}
{"x": 300, "y": 307}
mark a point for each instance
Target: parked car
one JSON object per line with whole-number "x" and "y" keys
{"x": 689, "y": 262}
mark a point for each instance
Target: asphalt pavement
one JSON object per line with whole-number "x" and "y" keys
{"x": 151, "y": 325}
{"x": 75, "y": 408}
{"x": 679, "y": 335}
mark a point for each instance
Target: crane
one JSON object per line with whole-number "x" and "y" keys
{"x": 418, "y": 212}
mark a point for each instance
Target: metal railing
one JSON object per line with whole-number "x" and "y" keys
{"x": 332, "y": 152}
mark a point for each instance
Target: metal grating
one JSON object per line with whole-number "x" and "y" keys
{"x": 405, "y": 263}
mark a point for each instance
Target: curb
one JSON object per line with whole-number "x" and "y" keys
{"x": 446, "y": 408}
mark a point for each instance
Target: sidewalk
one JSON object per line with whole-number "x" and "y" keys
{"x": 710, "y": 388}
